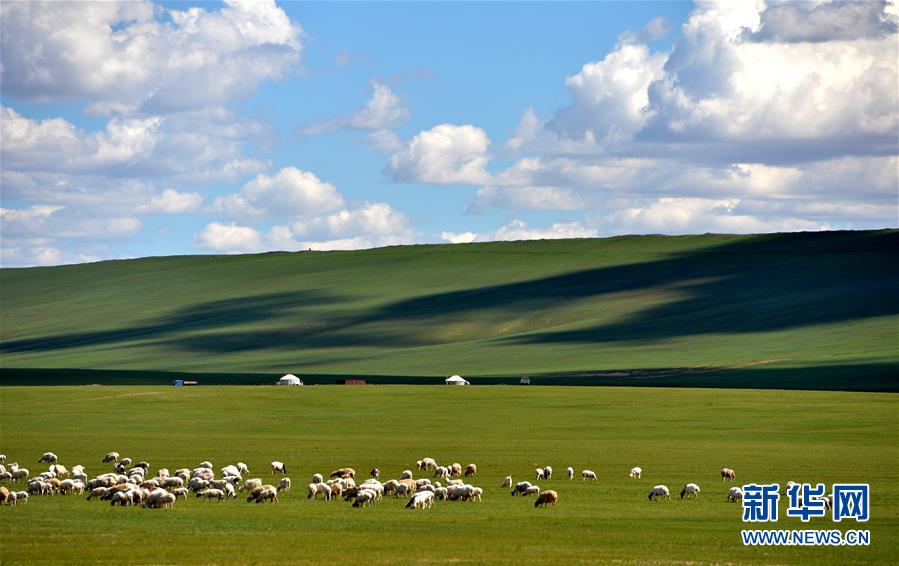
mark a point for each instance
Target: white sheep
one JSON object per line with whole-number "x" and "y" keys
{"x": 521, "y": 487}
{"x": 278, "y": 467}
{"x": 111, "y": 457}
{"x": 181, "y": 492}
{"x": 507, "y": 482}
{"x": 316, "y": 488}
{"x": 660, "y": 491}
{"x": 2, "y": 457}
{"x": 728, "y": 474}
{"x": 635, "y": 472}
{"x": 588, "y": 474}
{"x": 230, "y": 491}
{"x": 734, "y": 494}
{"x": 78, "y": 469}
{"x": 365, "y": 496}
{"x": 212, "y": 494}
{"x": 426, "y": 463}
{"x": 406, "y": 475}
{"x": 243, "y": 469}
{"x": 570, "y": 472}
{"x": 21, "y": 496}
{"x": 441, "y": 472}
{"x": 205, "y": 464}
{"x": 548, "y": 472}
{"x": 476, "y": 494}
{"x": 690, "y": 489}
{"x": 317, "y": 478}
{"x": 11, "y": 498}
{"x": 284, "y": 485}
{"x": 533, "y": 490}
{"x": 421, "y": 500}
{"x": 539, "y": 473}
{"x": 171, "y": 482}
{"x": 19, "y": 473}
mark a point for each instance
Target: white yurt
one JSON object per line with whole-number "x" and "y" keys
{"x": 456, "y": 380}
{"x": 290, "y": 379}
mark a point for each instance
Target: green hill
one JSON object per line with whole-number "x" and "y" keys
{"x": 806, "y": 309}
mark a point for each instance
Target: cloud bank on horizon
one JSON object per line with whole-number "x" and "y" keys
{"x": 135, "y": 129}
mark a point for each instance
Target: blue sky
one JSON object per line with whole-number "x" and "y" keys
{"x": 148, "y": 128}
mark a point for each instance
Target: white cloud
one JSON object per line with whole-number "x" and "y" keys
{"x": 519, "y": 230}
{"x": 371, "y": 220}
{"x": 695, "y": 215}
{"x": 526, "y": 198}
{"x": 45, "y": 222}
{"x": 459, "y": 237}
{"x": 384, "y": 141}
{"x": 446, "y": 154}
{"x": 172, "y": 202}
{"x": 527, "y": 130}
{"x": 229, "y": 238}
{"x": 823, "y": 21}
{"x": 29, "y": 256}
{"x": 656, "y": 28}
{"x": 383, "y": 111}
{"x": 127, "y": 58}
{"x": 289, "y": 193}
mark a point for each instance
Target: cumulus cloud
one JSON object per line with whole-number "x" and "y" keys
{"x": 526, "y": 198}
{"x": 229, "y": 238}
{"x": 795, "y": 22}
{"x": 127, "y": 57}
{"x": 289, "y": 193}
{"x": 459, "y": 237}
{"x": 383, "y": 111}
{"x": 444, "y": 155}
{"x": 518, "y": 229}
{"x": 172, "y": 202}
{"x": 42, "y": 223}
{"x": 526, "y": 131}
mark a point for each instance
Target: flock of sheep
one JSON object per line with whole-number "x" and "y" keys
{"x": 128, "y": 483}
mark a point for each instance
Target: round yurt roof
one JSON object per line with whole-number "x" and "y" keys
{"x": 455, "y": 379}
{"x": 290, "y": 379}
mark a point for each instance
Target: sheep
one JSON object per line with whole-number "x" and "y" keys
{"x": 441, "y": 472}
{"x": 690, "y": 489}
{"x": 278, "y": 467}
{"x": 476, "y": 494}
{"x": 198, "y": 484}
{"x": 111, "y": 457}
{"x": 635, "y": 472}
{"x": 48, "y": 457}
{"x": 5, "y": 476}
{"x": 243, "y": 469}
{"x": 538, "y": 473}
{"x": 211, "y": 494}
{"x": 363, "y": 497}
{"x": 97, "y": 492}
{"x": 284, "y": 485}
{"x": 78, "y": 469}
{"x": 344, "y": 473}
{"x": 205, "y": 464}
{"x": 547, "y": 497}
{"x": 172, "y": 482}
{"x": 317, "y": 478}
{"x": 570, "y": 472}
{"x": 728, "y": 474}
{"x": 441, "y": 493}
{"x": 454, "y": 482}
{"x": 402, "y": 490}
{"x": 39, "y": 487}
{"x": 507, "y": 482}
{"x": 471, "y": 470}
{"x": 336, "y": 490}
{"x": 19, "y": 473}
{"x": 426, "y": 464}
{"x": 423, "y": 500}
{"x": 375, "y": 486}
{"x": 183, "y": 473}
{"x": 406, "y": 475}
{"x": 22, "y": 497}
{"x": 455, "y": 470}
{"x": 11, "y": 498}
{"x": 533, "y": 490}
{"x": 230, "y": 470}
{"x": 521, "y": 487}
{"x": 375, "y": 473}
{"x": 548, "y": 472}
{"x": 4, "y": 493}
{"x": 390, "y": 486}
{"x": 145, "y": 465}
{"x": 162, "y": 473}
{"x": 2, "y": 457}
{"x": 182, "y": 492}
{"x": 316, "y": 488}
{"x": 658, "y": 492}
{"x": 422, "y": 483}
{"x": 588, "y": 474}
{"x": 734, "y": 494}
{"x": 125, "y": 462}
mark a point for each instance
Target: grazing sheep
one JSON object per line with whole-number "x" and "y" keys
{"x": 2, "y": 457}
{"x": 212, "y": 494}
{"x": 183, "y": 473}
{"x": 205, "y": 464}
{"x": 570, "y": 471}
{"x": 422, "y": 482}
{"x": 427, "y": 463}
{"x": 728, "y": 474}
{"x": 21, "y": 497}
{"x": 11, "y": 498}
{"x": 390, "y": 486}
{"x": 316, "y": 488}
{"x": 78, "y": 469}
{"x": 507, "y": 482}
{"x": 734, "y": 494}
{"x": 441, "y": 472}
{"x": 317, "y": 478}
{"x": 284, "y": 485}
{"x": 198, "y": 484}
{"x": 4, "y": 493}
{"x": 48, "y": 457}
{"x": 181, "y": 492}
{"x": 230, "y": 470}
{"x": 230, "y": 491}
{"x": 406, "y": 475}
{"x": 172, "y": 482}
{"x": 243, "y": 469}
{"x": 476, "y": 494}
{"x": 278, "y": 467}
{"x": 161, "y": 473}
{"x": 548, "y": 472}
{"x": 455, "y": 470}
{"x": 441, "y": 493}
{"x": 336, "y": 490}
{"x": 521, "y": 487}
{"x": 547, "y": 497}
{"x": 402, "y": 490}
{"x": 363, "y": 497}
{"x": 125, "y": 462}
{"x": 375, "y": 473}
{"x": 690, "y": 489}
{"x": 660, "y": 491}
{"x": 538, "y": 473}
{"x": 588, "y": 474}
{"x": 344, "y": 473}
{"x": 19, "y": 473}
{"x": 111, "y": 457}
{"x": 533, "y": 490}
{"x": 98, "y": 492}
{"x": 635, "y": 472}
{"x": 471, "y": 470}
{"x": 423, "y": 500}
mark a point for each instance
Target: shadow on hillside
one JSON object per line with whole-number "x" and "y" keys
{"x": 201, "y": 316}
{"x": 764, "y": 283}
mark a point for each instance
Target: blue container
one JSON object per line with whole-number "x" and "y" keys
{"x": 178, "y": 383}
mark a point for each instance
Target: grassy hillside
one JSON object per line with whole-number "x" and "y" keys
{"x": 787, "y": 303}
{"x": 675, "y": 435}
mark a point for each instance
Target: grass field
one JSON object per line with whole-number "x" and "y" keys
{"x": 818, "y": 309}
{"x": 676, "y": 435}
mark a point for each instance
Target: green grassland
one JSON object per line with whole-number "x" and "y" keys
{"x": 810, "y": 310}
{"x": 676, "y": 435}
